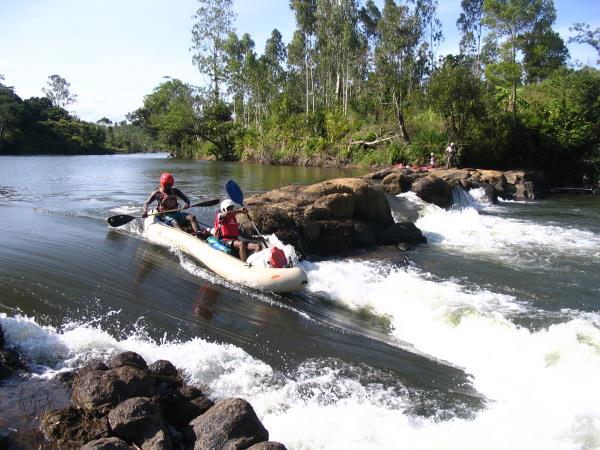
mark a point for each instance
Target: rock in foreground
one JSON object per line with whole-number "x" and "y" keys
{"x": 329, "y": 217}
{"x": 132, "y": 405}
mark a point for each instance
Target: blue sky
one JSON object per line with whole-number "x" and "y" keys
{"x": 113, "y": 52}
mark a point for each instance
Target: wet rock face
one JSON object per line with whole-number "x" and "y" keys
{"x": 433, "y": 190}
{"x": 135, "y": 406}
{"x": 322, "y": 219}
{"x": 514, "y": 184}
{"x": 11, "y": 360}
{"x": 230, "y": 424}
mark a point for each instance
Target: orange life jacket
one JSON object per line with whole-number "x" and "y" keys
{"x": 227, "y": 227}
{"x": 167, "y": 202}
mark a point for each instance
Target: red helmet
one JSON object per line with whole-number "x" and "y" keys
{"x": 166, "y": 178}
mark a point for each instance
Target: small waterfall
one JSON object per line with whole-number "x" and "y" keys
{"x": 461, "y": 199}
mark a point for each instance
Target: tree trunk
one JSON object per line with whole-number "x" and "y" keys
{"x": 400, "y": 119}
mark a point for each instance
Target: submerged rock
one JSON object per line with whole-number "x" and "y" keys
{"x": 325, "y": 218}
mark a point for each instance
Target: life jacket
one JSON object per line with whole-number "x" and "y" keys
{"x": 227, "y": 227}
{"x": 167, "y": 202}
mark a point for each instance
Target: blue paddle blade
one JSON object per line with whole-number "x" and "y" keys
{"x": 234, "y": 191}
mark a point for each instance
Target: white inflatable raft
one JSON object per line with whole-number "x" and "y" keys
{"x": 227, "y": 266}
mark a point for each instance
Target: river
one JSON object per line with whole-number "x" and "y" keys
{"x": 489, "y": 337}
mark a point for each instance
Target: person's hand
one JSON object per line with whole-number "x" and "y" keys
{"x": 144, "y": 215}
{"x": 244, "y": 211}
{"x": 187, "y": 205}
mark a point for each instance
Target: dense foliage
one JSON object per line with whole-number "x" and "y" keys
{"x": 360, "y": 84}
{"x": 41, "y": 125}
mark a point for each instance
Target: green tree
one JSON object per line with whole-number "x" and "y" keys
{"x": 213, "y": 25}
{"x": 455, "y": 93}
{"x": 168, "y": 114}
{"x": 304, "y": 42}
{"x": 11, "y": 111}
{"x": 470, "y": 26}
{"x": 58, "y": 91}
{"x": 585, "y": 35}
{"x": 512, "y": 20}
{"x": 544, "y": 51}
{"x": 397, "y": 70}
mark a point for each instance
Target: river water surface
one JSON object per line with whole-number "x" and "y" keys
{"x": 488, "y": 338}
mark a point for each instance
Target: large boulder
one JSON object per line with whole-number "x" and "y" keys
{"x": 396, "y": 183}
{"x": 138, "y": 420}
{"x": 107, "y": 388}
{"x": 433, "y": 190}
{"x": 231, "y": 424}
{"x": 322, "y": 219}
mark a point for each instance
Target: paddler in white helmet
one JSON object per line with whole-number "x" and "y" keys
{"x": 227, "y": 229}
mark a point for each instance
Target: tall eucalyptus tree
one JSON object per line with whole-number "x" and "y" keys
{"x": 214, "y": 20}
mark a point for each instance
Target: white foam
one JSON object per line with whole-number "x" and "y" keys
{"x": 515, "y": 241}
{"x": 543, "y": 385}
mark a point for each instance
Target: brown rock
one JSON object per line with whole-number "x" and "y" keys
{"x": 106, "y": 389}
{"x": 128, "y": 359}
{"x": 138, "y": 420}
{"x": 182, "y": 406}
{"x": 231, "y": 424}
{"x": 433, "y": 190}
{"x": 71, "y": 427}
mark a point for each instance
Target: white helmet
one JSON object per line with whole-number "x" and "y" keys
{"x": 226, "y": 204}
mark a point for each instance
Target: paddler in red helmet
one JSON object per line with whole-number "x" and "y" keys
{"x": 167, "y": 196}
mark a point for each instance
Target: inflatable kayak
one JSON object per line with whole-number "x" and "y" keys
{"x": 229, "y": 267}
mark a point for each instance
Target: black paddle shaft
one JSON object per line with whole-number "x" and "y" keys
{"x": 123, "y": 219}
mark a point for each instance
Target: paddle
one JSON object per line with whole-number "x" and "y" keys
{"x": 122, "y": 219}
{"x": 236, "y": 194}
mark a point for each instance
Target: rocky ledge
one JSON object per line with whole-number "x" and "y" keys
{"x": 329, "y": 217}
{"x": 435, "y": 185}
{"x": 130, "y": 405}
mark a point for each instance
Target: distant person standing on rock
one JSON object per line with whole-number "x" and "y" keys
{"x": 432, "y": 160}
{"x": 451, "y": 156}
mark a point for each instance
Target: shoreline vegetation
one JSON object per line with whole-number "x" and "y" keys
{"x": 358, "y": 85}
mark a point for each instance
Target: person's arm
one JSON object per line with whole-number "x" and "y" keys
{"x": 147, "y": 202}
{"x": 183, "y": 197}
